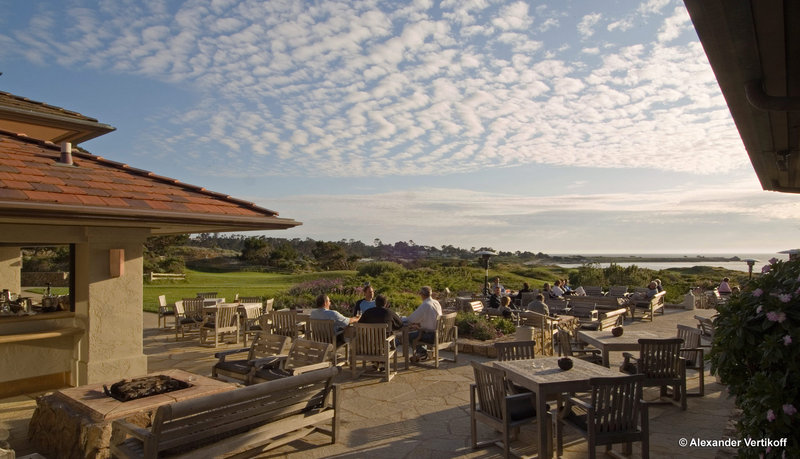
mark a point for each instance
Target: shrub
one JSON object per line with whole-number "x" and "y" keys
{"x": 755, "y": 353}
{"x": 470, "y": 325}
{"x": 375, "y": 269}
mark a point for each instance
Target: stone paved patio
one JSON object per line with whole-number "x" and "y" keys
{"x": 423, "y": 412}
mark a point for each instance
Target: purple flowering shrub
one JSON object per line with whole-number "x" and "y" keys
{"x": 756, "y": 353}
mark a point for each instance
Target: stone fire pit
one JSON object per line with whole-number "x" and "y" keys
{"x": 76, "y": 422}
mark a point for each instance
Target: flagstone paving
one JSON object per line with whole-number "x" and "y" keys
{"x": 424, "y": 412}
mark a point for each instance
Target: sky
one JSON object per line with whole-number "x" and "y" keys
{"x": 569, "y": 126}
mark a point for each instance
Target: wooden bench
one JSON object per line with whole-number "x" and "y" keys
{"x": 606, "y": 321}
{"x": 250, "y": 419}
{"x": 477, "y": 307}
{"x": 648, "y": 307}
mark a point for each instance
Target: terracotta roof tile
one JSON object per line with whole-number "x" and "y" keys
{"x": 11, "y": 194}
{"x": 30, "y": 172}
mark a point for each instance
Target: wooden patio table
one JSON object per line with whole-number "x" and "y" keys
{"x": 606, "y": 342}
{"x": 544, "y": 378}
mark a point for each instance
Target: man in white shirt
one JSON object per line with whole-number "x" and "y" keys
{"x": 423, "y": 322}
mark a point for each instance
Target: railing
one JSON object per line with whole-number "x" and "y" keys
{"x": 160, "y": 276}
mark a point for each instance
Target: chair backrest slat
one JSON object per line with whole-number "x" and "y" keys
{"x": 617, "y": 403}
{"x": 660, "y": 358}
{"x": 515, "y": 350}
{"x": 284, "y": 322}
{"x": 322, "y": 330}
{"x": 371, "y": 339}
{"x": 491, "y": 389}
{"x": 307, "y": 352}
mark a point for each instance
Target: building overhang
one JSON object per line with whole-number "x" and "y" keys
{"x": 753, "y": 47}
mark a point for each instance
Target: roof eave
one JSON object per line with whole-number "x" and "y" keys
{"x": 160, "y": 222}
{"x": 74, "y": 130}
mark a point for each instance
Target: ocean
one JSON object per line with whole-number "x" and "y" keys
{"x": 732, "y": 265}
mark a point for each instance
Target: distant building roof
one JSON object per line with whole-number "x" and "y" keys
{"x": 36, "y": 188}
{"x": 46, "y": 122}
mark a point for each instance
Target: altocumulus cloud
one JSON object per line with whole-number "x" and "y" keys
{"x": 406, "y": 88}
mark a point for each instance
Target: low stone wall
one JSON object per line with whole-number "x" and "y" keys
{"x": 55, "y": 279}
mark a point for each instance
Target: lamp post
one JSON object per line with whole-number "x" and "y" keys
{"x": 485, "y": 255}
{"x": 750, "y": 262}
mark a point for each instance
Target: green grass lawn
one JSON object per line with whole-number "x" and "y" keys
{"x": 227, "y": 285}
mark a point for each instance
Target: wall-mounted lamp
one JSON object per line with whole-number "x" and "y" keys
{"x": 116, "y": 262}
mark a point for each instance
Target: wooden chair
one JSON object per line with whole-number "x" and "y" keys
{"x": 268, "y": 305}
{"x": 324, "y": 331}
{"x": 250, "y": 300}
{"x": 693, "y": 353}
{"x": 304, "y": 356}
{"x": 491, "y": 404}
{"x": 661, "y": 364}
{"x": 593, "y": 290}
{"x": 284, "y": 322}
{"x": 373, "y": 343}
{"x": 251, "y": 326}
{"x": 706, "y": 327}
{"x": 207, "y": 295}
{"x": 446, "y": 335}
{"x": 567, "y": 348}
{"x": 185, "y": 322}
{"x": 266, "y": 348}
{"x": 648, "y": 307}
{"x": 515, "y": 350}
{"x": 618, "y": 291}
{"x": 164, "y": 311}
{"x": 615, "y": 413}
{"x": 543, "y": 330}
{"x": 224, "y": 321}
{"x": 606, "y": 320}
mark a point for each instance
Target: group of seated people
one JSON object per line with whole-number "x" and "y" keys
{"x": 374, "y": 310}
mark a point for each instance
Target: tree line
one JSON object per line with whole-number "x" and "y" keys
{"x": 166, "y": 253}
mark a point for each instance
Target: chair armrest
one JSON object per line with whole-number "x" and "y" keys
{"x": 268, "y": 360}
{"x": 312, "y": 367}
{"x": 131, "y": 429}
{"x": 223, "y": 354}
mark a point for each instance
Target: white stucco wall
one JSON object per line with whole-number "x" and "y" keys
{"x": 108, "y": 309}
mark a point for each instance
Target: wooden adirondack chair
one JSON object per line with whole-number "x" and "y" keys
{"x": 304, "y": 356}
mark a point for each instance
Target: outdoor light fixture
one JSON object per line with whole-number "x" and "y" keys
{"x": 485, "y": 255}
{"x": 782, "y": 160}
{"x": 750, "y": 262}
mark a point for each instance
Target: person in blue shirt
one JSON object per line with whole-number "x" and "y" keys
{"x": 368, "y": 302}
{"x": 323, "y": 311}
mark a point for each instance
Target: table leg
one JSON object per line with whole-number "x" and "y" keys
{"x": 606, "y": 361}
{"x": 545, "y": 449}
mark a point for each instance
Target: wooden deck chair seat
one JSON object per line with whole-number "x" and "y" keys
{"x": 265, "y": 350}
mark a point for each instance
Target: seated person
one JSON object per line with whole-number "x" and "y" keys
{"x": 365, "y": 303}
{"x": 423, "y": 322}
{"x": 494, "y": 299}
{"x": 538, "y": 305}
{"x": 566, "y": 288}
{"x": 652, "y": 290}
{"x": 724, "y": 287}
{"x": 658, "y": 285}
{"x": 526, "y": 288}
{"x": 504, "y": 308}
{"x": 556, "y": 291}
{"x": 323, "y": 311}
{"x": 381, "y": 314}
{"x": 497, "y": 284}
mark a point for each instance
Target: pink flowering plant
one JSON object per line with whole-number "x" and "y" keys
{"x": 756, "y": 354}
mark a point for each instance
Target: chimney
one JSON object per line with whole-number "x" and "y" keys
{"x": 66, "y": 153}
